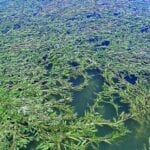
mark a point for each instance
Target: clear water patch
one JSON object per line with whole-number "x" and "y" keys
{"x": 84, "y": 98}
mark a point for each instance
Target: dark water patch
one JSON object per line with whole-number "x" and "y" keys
{"x": 94, "y": 71}
{"x": 65, "y": 77}
{"x": 68, "y": 32}
{"x": 76, "y": 80}
{"x": 104, "y": 146}
{"x": 104, "y": 130}
{"x": 45, "y": 57}
{"x": 131, "y": 79}
{"x": 6, "y": 30}
{"x": 117, "y": 98}
{"x": 147, "y": 74}
{"x": 105, "y": 43}
{"x": 44, "y": 86}
{"x": 44, "y": 83}
{"x": 37, "y": 11}
{"x": 131, "y": 124}
{"x": 84, "y": 98}
{"x": 35, "y": 81}
{"x": 19, "y": 89}
{"x": 35, "y": 14}
{"x": 115, "y": 79}
{"x": 122, "y": 107}
{"x": 10, "y": 84}
{"x": 91, "y": 146}
{"x": 109, "y": 111}
{"x": 79, "y": 42}
{"x": 49, "y": 66}
{"x": 116, "y": 13}
{"x": 16, "y": 26}
{"x": 32, "y": 145}
{"x": 145, "y": 29}
{"x": 102, "y": 45}
{"x": 93, "y": 15}
{"x": 74, "y": 64}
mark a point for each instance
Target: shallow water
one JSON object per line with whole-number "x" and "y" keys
{"x": 107, "y": 110}
{"x": 84, "y": 98}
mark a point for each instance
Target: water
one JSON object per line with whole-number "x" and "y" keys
{"x": 131, "y": 79}
{"x": 137, "y": 139}
{"x": 76, "y": 80}
{"x": 84, "y": 98}
{"x": 105, "y": 43}
{"x": 104, "y": 130}
{"x": 49, "y": 66}
{"x": 107, "y": 110}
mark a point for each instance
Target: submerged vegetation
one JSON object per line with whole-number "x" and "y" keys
{"x": 74, "y": 75}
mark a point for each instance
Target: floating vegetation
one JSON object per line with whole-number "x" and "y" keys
{"x": 74, "y": 75}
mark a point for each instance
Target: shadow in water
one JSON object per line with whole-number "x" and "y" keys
{"x": 84, "y": 98}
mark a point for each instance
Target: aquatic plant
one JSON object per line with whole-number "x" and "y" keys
{"x": 74, "y": 75}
